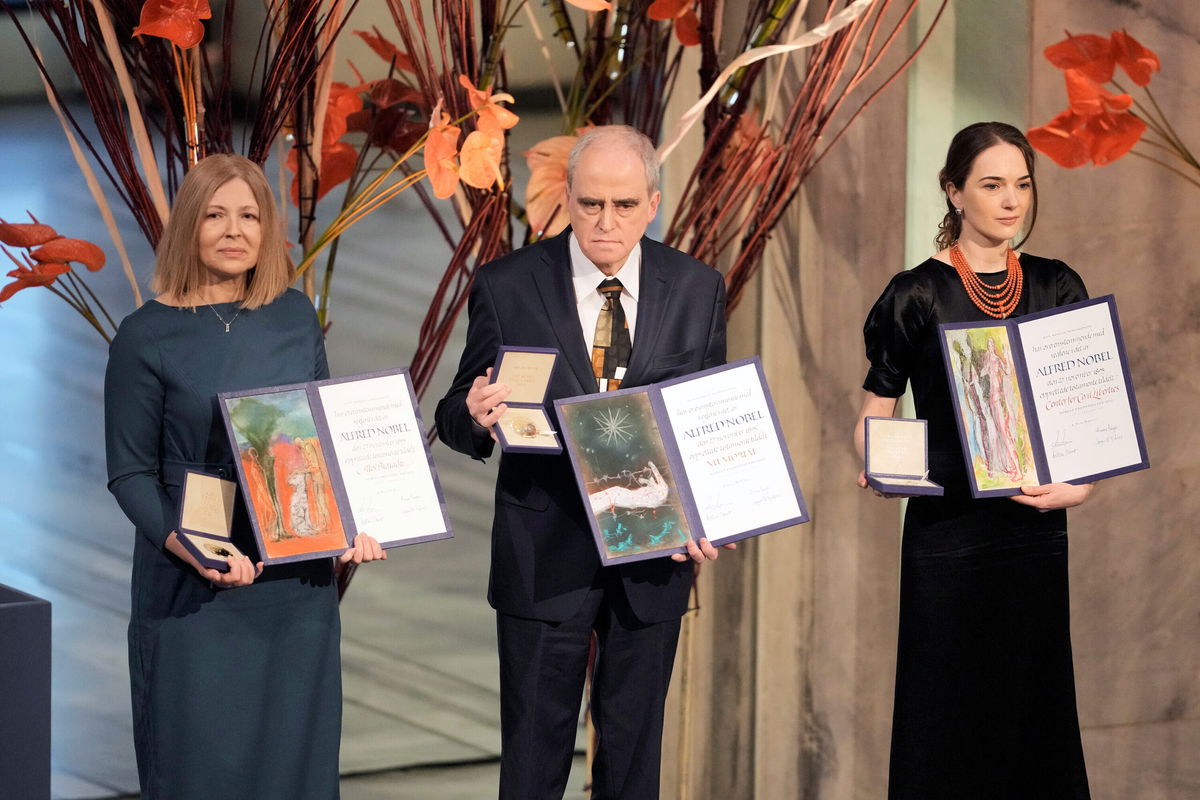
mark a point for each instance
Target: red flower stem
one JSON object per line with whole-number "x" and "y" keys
{"x": 70, "y": 291}
{"x": 1174, "y": 137}
{"x": 1159, "y": 124}
{"x": 434, "y": 213}
{"x": 1172, "y": 146}
{"x": 1171, "y": 151}
{"x": 1167, "y": 166}
{"x": 95, "y": 299}
{"x": 83, "y": 312}
{"x": 351, "y": 187}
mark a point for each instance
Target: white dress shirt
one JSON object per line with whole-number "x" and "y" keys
{"x": 586, "y": 277}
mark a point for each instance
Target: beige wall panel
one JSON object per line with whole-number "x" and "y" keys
{"x": 852, "y": 241}
{"x": 798, "y": 638}
{"x": 1129, "y": 228}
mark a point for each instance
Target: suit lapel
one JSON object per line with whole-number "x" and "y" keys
{"x": 654, "y": 298}
{"x": 558, "y": 298}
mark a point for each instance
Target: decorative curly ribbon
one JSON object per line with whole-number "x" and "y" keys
{"x": 805, "y": 40}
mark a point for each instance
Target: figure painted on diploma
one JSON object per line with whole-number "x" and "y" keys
{"x": 651, "y": 492}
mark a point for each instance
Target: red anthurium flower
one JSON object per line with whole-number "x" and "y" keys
{"x": 389, "y": 121}
{"x": 1073, "y": 140}
{"x": 687, "y": 24}
{"x": 63, "y": 249}
{"x": 479, "y": 160}
{"x": 39, "y": 275}
{"x": 386, "y": 50}
{"x": 687, "y": 29}
{"x": 343, "y": 101}
{"x": 440, "y": 148}
{"x": 387, "y": 92}
{"x": 1058, "y": 140}
{"x": 490, "y": 117}
{"x": 668, "y": 9}
{"x": 1087, "y": 97}
{"x": 337, "y": 165}
{"x": 26, "y": 234}
{"x": 1089, "y": 53}
{"x": 1137, "y": 61}
{"x": 337, "y": 158}
{"x": 1112, "y": 136}
{"x": 177, "y": 20}
{"x": 546, "y": 192}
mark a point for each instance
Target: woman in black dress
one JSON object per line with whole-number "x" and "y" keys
{"x": 985, "y": 691}
{"x": 235, "y": 676}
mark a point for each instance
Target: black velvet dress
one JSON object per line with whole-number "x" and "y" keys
{"x": 236, "y": 692}
{"x": 985, "y": 690}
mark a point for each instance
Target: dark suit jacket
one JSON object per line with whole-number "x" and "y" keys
{"x": 543, "y": 554}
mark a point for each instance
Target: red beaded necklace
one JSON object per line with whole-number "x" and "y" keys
{"x": 995, "y": 301}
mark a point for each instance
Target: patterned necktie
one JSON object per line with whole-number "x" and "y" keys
{"x": 611, "y": 346}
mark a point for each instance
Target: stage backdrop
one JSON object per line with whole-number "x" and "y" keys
{"x": 789, "y": 680}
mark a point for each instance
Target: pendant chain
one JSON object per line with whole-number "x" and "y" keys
{"x": 995, "y": 301}
{"x": 223, "y": 322}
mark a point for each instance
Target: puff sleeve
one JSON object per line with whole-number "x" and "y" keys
{"x": 892, "y": 334}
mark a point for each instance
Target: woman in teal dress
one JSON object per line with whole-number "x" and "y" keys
{"x": 235, "y": 675}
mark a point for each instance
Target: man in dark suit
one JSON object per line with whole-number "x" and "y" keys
{"x": 547, "y": 585}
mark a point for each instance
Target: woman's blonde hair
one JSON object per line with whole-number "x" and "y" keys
{"x": 177, "y": 267}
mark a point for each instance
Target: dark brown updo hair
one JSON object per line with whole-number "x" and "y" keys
{"x": 966, "y": 145}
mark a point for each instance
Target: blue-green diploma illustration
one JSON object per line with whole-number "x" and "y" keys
{"x": 624, "y": 466}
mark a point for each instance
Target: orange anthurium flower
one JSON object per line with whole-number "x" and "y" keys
{"x": 489, "y": 117}
{"x": 1086, "y": 97}
{"x": 687, "y": 24}
{"x": 1137, "y": 61}
{"x": 1089, "y": 53}
{"x": 546, "y": 193}
{"x": 440, "y": 149}
{"x": 26, "y": 234}
{"x": 39, "y": 275}
{"x": 177, "y": 20}
{"x": 1058, "y": 140}
{"x": 479, "y": 160}
{"x": 592, "y": 5}
{"x": 386, "y": 50}
{"x": 62, "y": 249}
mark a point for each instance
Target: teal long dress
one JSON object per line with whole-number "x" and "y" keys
{"x": 236, "y": 692}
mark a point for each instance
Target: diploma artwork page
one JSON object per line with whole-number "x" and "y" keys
{"x": 1044, "y": 398}
{"x": 696, "y": 457}
{"x": 320, "y": 462}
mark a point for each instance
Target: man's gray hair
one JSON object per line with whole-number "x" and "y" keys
{"x": 633, "y": 139}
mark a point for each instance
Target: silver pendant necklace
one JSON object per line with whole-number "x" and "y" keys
{"x": 223, "y": 322}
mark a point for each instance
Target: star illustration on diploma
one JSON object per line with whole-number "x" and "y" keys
{"x": 613, "y": 425}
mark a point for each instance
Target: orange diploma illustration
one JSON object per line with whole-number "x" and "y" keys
{"x": 288, "y": 487}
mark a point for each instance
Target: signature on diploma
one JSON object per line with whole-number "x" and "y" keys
{"x": 1108, "y": 433}
{"x": 1061, "y": 447}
